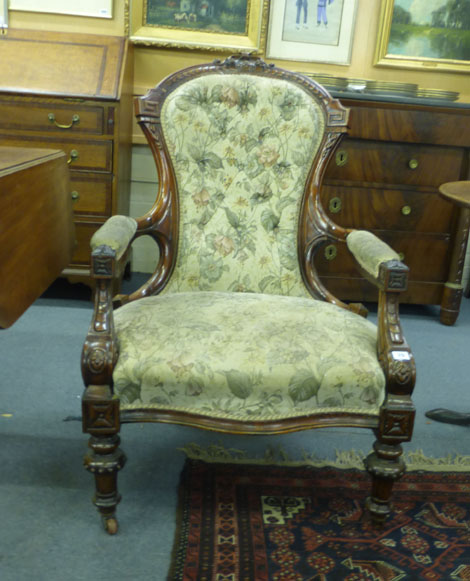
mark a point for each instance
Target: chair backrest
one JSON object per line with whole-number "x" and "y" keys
{"x": 240, "y": 148}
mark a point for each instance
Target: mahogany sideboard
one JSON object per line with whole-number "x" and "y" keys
{"x": 385, "y": 177}
{"x": 37, "y": 237}
{"x": 73, "y": 92}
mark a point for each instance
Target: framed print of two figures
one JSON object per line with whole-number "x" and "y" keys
{"x": 311, "y": 30}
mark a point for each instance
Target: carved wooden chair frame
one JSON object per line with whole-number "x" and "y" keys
{"x": 101, "y": 410}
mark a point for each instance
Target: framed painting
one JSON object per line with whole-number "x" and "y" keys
{"x": 219, "y": 25}
{"x": 311, "y": 30}
{"x": 3, "y": 15}
{"x": 424, "y": 34}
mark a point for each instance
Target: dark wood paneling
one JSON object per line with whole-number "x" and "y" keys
{"x": 392, "y": 163}
{"x": 360, "y": 290}
{"x": 426, "y": 255}
{"x": 409, "y": 123}
{"x": 374, "y": 186}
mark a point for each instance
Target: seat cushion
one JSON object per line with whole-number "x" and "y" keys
{"x": 246, "y": 356}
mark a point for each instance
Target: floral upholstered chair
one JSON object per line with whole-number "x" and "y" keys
{"x": 235, "y": 331}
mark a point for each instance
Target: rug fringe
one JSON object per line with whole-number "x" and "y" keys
{"x": 277, "y": 455}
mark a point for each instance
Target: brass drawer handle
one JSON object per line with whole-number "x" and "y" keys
{"x": 413, "y": 163}
{"x": 75, "y": 119}
{"x": 73, "y": 156}
{"x": 335, "y": 205}
{"x": 331, "y": 252}
{"x": 406, "y": 210}
{"x": 75, "y": 196}
{"x": 341, "y": 157}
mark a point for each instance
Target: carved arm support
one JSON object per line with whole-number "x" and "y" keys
{"x": 381, "y": 265}
{"x": 100, "y": 351}
{"x": 109, "y": 244}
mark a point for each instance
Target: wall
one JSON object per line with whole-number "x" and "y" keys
{"x": 152, "y": 64}
{"x": 65, "y": 23}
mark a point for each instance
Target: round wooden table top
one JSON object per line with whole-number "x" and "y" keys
{"x": 457, "y": 192}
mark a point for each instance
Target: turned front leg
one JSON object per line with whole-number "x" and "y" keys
{"x": 386, "y": 466}
{"x": 104, "y": 461}
{"x": 105, "y": 458}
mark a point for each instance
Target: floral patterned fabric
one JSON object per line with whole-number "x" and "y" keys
{"x": 246, "y": 356}
{"x": 369, "y": 250}
{"x": 116, "y": 233}
{"x": 242, "y": 147}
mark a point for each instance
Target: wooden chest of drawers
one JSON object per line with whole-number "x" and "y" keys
{"x": 73, "y": 92}
{"x": 385, "y": 178}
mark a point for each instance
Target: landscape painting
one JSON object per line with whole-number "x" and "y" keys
{"x": 219, "y": 16}
{"x": 221, "y": 25}
{"x": 427, "y": 32}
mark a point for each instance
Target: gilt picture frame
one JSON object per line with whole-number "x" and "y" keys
{"x": 214, "y": 25}
{"x": 431, "y": 35}
{"x": 311, "y": 30}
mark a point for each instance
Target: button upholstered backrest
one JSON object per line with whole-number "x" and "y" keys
{"x": 241, "y": 147}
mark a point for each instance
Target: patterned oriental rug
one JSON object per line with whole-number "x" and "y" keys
{"x": 271, "y": 523}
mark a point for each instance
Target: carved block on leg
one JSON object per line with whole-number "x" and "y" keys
{"x": 385, "y": 465}
{"x": 105, "y": 458}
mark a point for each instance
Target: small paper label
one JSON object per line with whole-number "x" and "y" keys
{"x": 401, "y": 355}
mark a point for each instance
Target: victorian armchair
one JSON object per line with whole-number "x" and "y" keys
{"x": 234, "y": 331}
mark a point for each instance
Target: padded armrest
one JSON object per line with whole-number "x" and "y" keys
{"x": 116, "y": 232}
{"x": 369, "y": 251}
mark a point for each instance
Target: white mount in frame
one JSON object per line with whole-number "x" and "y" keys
{"x": 3, "y": 14}
{"x": 93, "y": 8}
{"x": 311, "y": 30}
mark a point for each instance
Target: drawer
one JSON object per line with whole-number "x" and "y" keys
{"x": 91, "y": 155}
{"x": 426, "y": 255}
{"x": 373, "y": 120}
{"x": 374, "y": 209}
{"x": 77, "y": 119}
{"x": 361, "y": 290}
{"x": 83, "y": 233}
{"x": 395, "y": 163}
{"x": 91, "y": 193}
